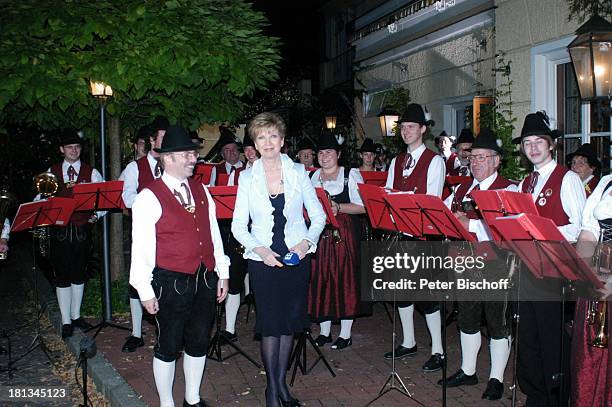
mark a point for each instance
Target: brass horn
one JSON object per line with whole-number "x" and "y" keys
{"x": 597, "y": 310}
{"x": 46, "y": 185}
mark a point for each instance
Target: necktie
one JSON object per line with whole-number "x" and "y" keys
{"x": 158, "y": 170}
{"x": 185, "y": 203}
{"x": 409, "y": 161}
{"x": 534, "y": 180}
{"x": 71, "y": 173}
{"x": 232, "y": 169}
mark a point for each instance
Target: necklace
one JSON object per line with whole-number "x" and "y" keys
{"x": 278, "y": 186}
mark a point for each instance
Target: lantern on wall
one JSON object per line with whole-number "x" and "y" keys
{"x": 387, "y": 118}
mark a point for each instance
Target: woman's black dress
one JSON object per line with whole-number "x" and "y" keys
{"x": 280, "y": 292}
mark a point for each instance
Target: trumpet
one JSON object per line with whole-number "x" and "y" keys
{"x": 335, "y": 232}
{"x": 46, "y": 185}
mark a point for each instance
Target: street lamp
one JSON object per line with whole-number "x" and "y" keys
{"x": 101, "y": 91}
{"x": 387, "y": 118}
{"x": 330, "y": 122}
{"x": 591, "y": 54}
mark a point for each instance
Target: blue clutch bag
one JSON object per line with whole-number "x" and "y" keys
{"x": 291, "y": 259}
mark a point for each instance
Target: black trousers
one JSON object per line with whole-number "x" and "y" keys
{"x": 70, "y": 253}
{"x": 540, "y": 369}
{"x": 186, "y": 312}
{"x": 238, "y": 264}
{"x": 497, "y": 316}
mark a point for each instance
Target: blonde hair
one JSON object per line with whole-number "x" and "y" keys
{"x": 266, "y": 121}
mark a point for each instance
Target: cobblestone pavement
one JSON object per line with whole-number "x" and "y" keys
{"x": 18, "y": 329}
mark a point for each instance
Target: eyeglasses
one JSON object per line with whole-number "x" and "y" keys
{"x": 188, "y": 154}
{"x": 480, "y": 157}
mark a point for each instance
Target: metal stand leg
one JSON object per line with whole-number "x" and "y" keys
{"x": 298, "y": 356}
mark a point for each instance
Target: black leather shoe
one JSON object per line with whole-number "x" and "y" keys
{"x": 66, "y": 331}
{"x": 322, "y": 340}
{"x": 433, "y": 364}
{"x": 342, "y": 343}
{"x": 289, "y": 403}
{"x": 460, "y": 379}
{"x": 132, "y": 344}
{"x": 200, "y": 403}
{"x": 81, "y": 324}
{"x": 401, "y": 352}
{"x": 494, "y": 391}
{"x": 228, "y": 336}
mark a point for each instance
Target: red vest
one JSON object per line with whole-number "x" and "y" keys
{"x": 78, "y": 218}
{"x": 548, "y": 201}
{"x": 590, "y": 186}
{"x": 222, "y": 170}
{"x": 417, "y": 181}
{"x": 183, "y": 239}
{"x": 450, "y": 163}
{"x": 145, "y": 176}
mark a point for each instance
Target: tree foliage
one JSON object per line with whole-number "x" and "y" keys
{"x": 192, "y": 60}
{"x": 581, "y": 10}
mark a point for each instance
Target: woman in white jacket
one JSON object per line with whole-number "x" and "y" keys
{"x": 272, "y": 195}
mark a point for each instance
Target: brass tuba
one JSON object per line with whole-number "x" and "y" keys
{"x": 597, "y": 310}
{"x": 7, "y": 200}
{"x": 46, "y": 185}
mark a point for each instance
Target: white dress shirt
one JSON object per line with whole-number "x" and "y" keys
{"x": 573, "y": 198}
{"x": 334, "y": 187}
{"x": 477, "y": 226}
{"x": 435, "y": 172}
{"x": 228, "y": 168}
{"x": 587, "y": 180}
{"x": 129, "y": 176}
{"x": 146, "y": 211}
{"x": 597, "y": 207}
{"x": 6, "y": 230}
{"x": 253, "y": 204}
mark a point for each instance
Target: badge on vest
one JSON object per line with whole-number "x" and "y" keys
{"x": 548, "y": 192}
{"x": 542, "y": 201}
{"x": 189, "y": 208}
{"x": 70, "y": 184}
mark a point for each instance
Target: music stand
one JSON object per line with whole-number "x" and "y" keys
{"x": 376, "y": 178}
{"x": 381, "y": 217}
{"x": 31, "y": 216}
{"x": 539, "y": 244}
{"x": 98, "y": 196}
{"x": 224, "y": 198}
{"x": 202, "y": 172}
{"x": 298, "y": 354}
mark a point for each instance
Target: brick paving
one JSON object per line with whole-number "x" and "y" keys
{"x": 361, "y": 370}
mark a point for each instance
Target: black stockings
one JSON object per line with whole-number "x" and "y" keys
{"x": 275, "y": 353}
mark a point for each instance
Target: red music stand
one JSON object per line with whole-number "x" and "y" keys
{"x": 48, "y": 212}
{"x": 426, "y": 215}
{"x": 542, "y": 247}
{"x": 202, "y": 172}
{"x": 98, "y": 196}
{"x": 330, "y": 219}
{"x": 453, "y": 180}
{"x": 377, "y": 208}
{"x": 377, "y": 178}
{"x": 225, "y": 200}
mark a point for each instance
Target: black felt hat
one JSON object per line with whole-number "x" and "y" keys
{"x": 143, "y": 134}
{"x": 69, "y": 136}
{"x": 248, "y": 141}
{"x": 227, "y": 137}
{"x": 466, "y": 136}
{"x": 367, "y": 146}
{"x": 328, "y": 141}
{"x": 305, "y": 144}
{"x": 537, "y": 124}
{"x": 487, "y": 139}
{"x": 176, "y": 139}
{"x": 414, "y": 113}
{"x": 195, "y": 136}
{"x": 586, "y": 150}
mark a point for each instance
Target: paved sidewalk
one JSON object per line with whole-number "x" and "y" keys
{"x": 361, "y": 370}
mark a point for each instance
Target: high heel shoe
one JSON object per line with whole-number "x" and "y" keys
{"x": 289, "y": 403}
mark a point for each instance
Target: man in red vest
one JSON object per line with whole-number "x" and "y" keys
{"x": 585, "y": 163}
{"x": 421, "y": 171}
{"x": 559, "y": 195}
{"x": 461, "y": 165}
{"x": 485, "y": 159}
{"x": 71, "y": 245}
{"x": 136, "y": 176}
{"x": 178, "y": 265}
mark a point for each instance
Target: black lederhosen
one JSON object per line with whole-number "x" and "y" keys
{"x": 70, "y": 248}
{"x": 233, "y": 250}
{"x": 186, "y": 312}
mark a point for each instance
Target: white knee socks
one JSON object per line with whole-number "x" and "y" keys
{"x": 136, "y": 311}
{"x": 193, "y": 368}
{"x": 64, "y": 298}
{"x": 470, "y": 345}
{"x": 500, "y": 352}
{"x": 232, "y": 303}
{"x": 407, "y": 318}
{"x": 77, "y": 298}
{"x": 164, "y": 379}
{"x": 434, "y": 324}
{"x": 345, "y": 328}
{"x": 325, "y": 328}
